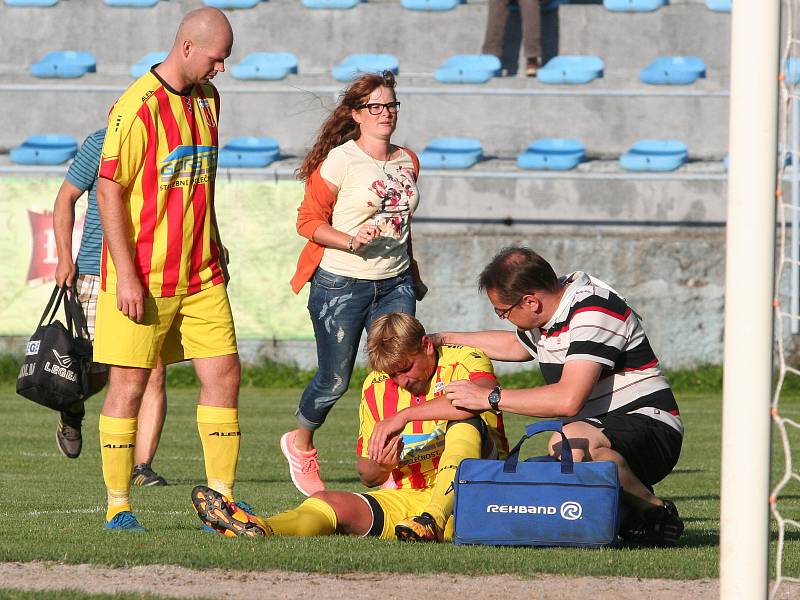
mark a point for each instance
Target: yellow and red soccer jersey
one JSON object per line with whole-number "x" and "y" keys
{"x": 423, "y": 441}
{"x": 161, "y": 147}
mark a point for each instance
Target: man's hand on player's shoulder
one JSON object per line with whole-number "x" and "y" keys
{"x": 437, "y": 339}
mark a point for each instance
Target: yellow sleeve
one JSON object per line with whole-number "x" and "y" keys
{"x": 473, "y": 364}
{"x": 124, "y": 146}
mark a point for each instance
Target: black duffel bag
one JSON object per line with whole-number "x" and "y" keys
{"x": 55, "y": 372}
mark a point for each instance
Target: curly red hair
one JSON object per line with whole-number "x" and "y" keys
{"x": 340, "y": 127}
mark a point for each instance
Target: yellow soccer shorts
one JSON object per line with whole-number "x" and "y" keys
{"x": 176, "y": 328}
{"x": 389, "y": 507}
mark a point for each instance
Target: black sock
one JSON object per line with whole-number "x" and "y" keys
{"x": 73, "y": 416}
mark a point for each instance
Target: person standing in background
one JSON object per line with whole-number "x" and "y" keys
{"x": 494, "y": 40}
{"x": 82, "y": 177}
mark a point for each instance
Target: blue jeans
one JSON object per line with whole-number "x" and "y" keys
{"x": 341, "y": 308}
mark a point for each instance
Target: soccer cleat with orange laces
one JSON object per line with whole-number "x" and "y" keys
{"x": 222, "y": 515}
{"x": 419, "y": 529}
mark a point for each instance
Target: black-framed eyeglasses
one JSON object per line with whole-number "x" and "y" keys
{"x": 504, "y": 312}
{"x": 376, "y": 108}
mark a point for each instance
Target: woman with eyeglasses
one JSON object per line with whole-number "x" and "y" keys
{"x": 359, "y": 197}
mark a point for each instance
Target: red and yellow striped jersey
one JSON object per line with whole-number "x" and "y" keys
{"x": 161, "y": 147}
{"x": 423, "y": 441}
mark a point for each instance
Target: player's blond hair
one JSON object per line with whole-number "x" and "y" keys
{"x": 392, "y": 340}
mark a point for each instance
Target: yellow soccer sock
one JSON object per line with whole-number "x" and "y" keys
{"x": 117, "y": 441}
{"x": 220, "y": 436}
{"x": 312, "y": 517}
{"x": 461, "y": 441}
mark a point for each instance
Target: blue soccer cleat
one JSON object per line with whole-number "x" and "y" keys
{"x": 125, "y": 521}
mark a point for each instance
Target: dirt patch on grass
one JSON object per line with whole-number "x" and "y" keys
{"x": 180, "y": 582}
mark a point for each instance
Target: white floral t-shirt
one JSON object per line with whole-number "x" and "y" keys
{"x": 385, "y": 193}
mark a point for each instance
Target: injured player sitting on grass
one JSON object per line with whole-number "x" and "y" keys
{"x": 411, "y": 440}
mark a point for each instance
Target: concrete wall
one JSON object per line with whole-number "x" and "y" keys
{"x": 673, "y": 278}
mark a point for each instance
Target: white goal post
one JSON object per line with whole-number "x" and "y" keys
{"x": 749, "y": 283}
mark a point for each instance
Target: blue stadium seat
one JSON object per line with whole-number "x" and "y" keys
{"x": 147, "y": 61}
{"x": 553, "y": 154}
{"x": 431, "y": 5}
{"x": 468, "y": 68}
{"x": 571, "y": 69}
{"x": 41, "y": 3}
{"x": 132, "y": 3}
{"x": 230, "y": 4}
{"x": 265, "y": 65}
{"x": 335, "y": 4}
{"x": 673, "y": 70}
{"x": 356, "y": 64}
{"x": 655, "y": 155}
{"x": 49, "y": 149}
{"x": 719, "y": 5}
{"x": 634, "y": 5}
{"x": 451, "y": 153}
{"x": 64, "y": 64}
{"x": 249, "y": 152}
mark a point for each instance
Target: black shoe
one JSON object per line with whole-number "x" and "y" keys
{"x": 657, "y": 526}
{"x": 144, "y": 476}
{"x": 69, "y": 439}
{"x": 532, "y": 66}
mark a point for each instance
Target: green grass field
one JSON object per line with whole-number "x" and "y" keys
{"x": 52, "y": 508}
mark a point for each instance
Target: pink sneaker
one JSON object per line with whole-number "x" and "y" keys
{"x": 303, "y": 466}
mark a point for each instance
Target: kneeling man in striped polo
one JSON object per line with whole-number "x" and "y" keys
{"x": 603, "y": 379}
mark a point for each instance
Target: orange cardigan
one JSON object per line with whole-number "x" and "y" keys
{"x": 317, "y": 209}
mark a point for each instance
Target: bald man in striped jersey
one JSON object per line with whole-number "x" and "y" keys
{"x": 603, "y": 379}
{"x": 163, "y": 276}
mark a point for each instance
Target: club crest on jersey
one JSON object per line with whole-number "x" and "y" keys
{"x": 438, "y": 388}
{"x": 205, "y": 108}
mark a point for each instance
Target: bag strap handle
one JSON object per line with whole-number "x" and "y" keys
{"x": 75, "y": 314}
{"x": 52, "y": 305}
{"x": 567, "y": 466}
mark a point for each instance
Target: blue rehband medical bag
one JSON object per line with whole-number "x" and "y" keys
{"x": 537, "y": 502}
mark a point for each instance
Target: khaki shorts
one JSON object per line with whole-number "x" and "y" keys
{"x": 389, "y": 507}
{"x": 176, "y": 328}
{"x": 88, "y": 286}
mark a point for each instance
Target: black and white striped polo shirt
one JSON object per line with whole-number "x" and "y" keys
{"x": 593, "y": 322}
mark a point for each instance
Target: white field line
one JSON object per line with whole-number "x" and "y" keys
{"x": 88, "y": 511}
